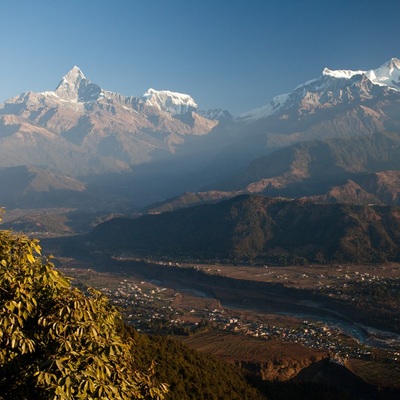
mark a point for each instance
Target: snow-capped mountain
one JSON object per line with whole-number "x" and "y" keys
{"x": 387, "y": 75}
{"x": 331, "y": 89}
{"x": 75, "y": 87}
{"x": 170, "y": 144}
{"x": 340, "y": 103}
{"x": 170, "y": 102}
{"x": 104, "y": 130}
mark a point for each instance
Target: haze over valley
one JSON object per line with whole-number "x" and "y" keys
{"x": 233, "y": 190}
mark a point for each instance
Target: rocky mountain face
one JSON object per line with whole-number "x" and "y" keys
{"x": 81, "y": 129}
{"x": 338, "y": 103}
{"x": 340, "y": 90}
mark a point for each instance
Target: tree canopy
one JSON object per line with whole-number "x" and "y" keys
{"x": 57, "y": 342}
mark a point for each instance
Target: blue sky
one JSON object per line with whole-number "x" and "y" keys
{"x": 231, "y": 54}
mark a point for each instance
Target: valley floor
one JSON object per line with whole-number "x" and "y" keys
{"x": 272, "y": 321}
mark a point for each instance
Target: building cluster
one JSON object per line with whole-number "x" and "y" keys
{"x": 313, "y": 335}
{"x": 151, "y": 310}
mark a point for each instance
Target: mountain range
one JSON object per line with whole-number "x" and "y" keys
{"x": 82, "y": 129}
{"x": 160, "y": 144}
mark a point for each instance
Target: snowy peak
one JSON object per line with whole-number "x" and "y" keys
{"x": 333, "y": 87}
{"x": 170, "y": 102}
{"x": 394, "y": 63}
{"x": 386, "y": 75}
{"x": 341, "y": 73}
{"x": 76, "y": 88}
{"x": 74, "y": 75}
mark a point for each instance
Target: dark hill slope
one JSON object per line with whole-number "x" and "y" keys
{"x": 189, "y": 199}
{"x": 256, "y": 227}
{"x": 191, "y": 375}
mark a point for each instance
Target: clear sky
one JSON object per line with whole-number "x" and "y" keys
{"x": 231, "y": 54}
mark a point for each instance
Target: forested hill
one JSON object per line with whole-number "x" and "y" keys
{"x": 259, "y": 228}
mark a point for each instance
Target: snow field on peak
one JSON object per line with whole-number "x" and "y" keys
{"x": 76, "y": 89}
{"x": 172, "y": 102}
{"x": 386, "y": 75}
{"x": 341, "y": 73}
{"x": 262, "y": 112}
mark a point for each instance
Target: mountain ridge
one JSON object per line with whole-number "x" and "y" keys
{"x": 80, "y": 115}
{"x": 258, "y": 229}
{"x": 331, "y": 81}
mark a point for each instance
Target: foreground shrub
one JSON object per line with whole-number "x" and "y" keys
{"x": 57, "y": 342}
